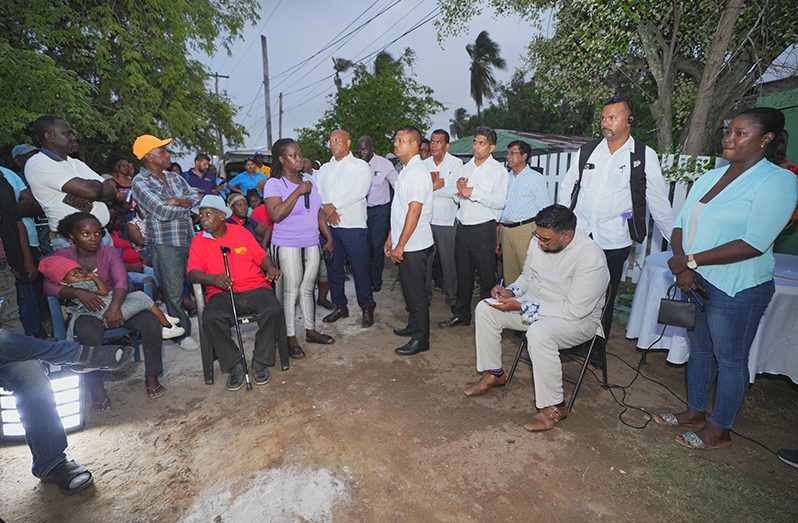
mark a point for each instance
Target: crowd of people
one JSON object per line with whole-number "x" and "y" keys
{"x": 263, "y": 242}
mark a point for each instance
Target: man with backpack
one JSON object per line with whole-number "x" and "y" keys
{"x": 609, "y": 188}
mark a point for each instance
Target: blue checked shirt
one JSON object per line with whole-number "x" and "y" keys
{"x": 166, "y": 224}
{"x": 526, "y": 195}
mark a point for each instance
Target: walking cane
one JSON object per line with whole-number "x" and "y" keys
{"x": 225, "y": 251}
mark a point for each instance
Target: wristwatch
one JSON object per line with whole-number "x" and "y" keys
{"x": 691, "y": 263}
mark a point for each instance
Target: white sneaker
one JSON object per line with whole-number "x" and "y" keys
{"x": 172, "y": 319}
{"x": 173, "y": 331}
{"x": 188, "y": 343}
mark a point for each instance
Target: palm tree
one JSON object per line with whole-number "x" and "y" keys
{"x": 458, "y": 122}
{"x": 484, "y": 54}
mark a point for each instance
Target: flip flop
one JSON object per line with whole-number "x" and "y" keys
{"x": 101, "y": 406}
{"x": 101, "y": 357}
{"x": 70, "y": 476}
{"x": 156, "y": 392}
{"x": 669, "y": 420}
{"x": 691, "y": 440}
{"x": 296, "y": 352}
{"x": 321, "y": 339}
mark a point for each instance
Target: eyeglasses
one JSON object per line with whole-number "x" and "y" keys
{"x": 544, "y": 241}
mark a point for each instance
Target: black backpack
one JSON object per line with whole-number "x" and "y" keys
{"x": 638, "y": 226}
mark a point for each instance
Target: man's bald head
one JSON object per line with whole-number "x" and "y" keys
{"x": 340, "y": 144}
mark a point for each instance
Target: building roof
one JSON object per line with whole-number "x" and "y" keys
{"x": 540, "y": 143}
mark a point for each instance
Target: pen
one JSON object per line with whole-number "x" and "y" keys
{"x": 501, "y": 283}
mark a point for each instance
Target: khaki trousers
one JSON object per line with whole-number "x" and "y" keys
{"x": 515, "y": 243}
{"x": 545, "y": 337}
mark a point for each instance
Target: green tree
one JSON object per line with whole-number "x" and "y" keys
{"x": 692, "y": 62}
{"x": 484, "y": 54}
{"x": 375, "y": 105}
{"x": 115, "y": 70}
{"x": 457, "y": 124}
{"x": 519, "y": 105}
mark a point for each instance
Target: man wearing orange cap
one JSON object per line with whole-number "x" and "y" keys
{"x": 166, "y": 199}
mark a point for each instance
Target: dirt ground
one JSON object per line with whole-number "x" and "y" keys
{"x": 356, "y": 433}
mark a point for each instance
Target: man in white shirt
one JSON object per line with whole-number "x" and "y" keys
{"x": 481, "y": 192}
{"x": 64, "y": 185}
{"x": 378, "y": 208}
{"x": 604, "y": 204}
{"x": 444, "y": 167}
{"x": 344, "y": 182}
{"x": 557, "y": 300}
{"x": 410, "y": 242}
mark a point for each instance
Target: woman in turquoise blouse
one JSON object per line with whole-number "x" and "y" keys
{"x": 723, "y": 248}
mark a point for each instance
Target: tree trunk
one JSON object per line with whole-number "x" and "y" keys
{"x": 698, "y": 131}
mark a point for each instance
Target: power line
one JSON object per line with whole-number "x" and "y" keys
{"x": 343, "y": 40}
{"x": 326, "y": 46}
{"x": 260, "y": 29}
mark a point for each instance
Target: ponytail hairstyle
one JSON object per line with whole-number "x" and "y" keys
{"x": 771, "y": 120}
{"x": 278, "y": 149}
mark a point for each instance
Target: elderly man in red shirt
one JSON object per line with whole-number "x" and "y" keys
{"x": 251, "y": 274}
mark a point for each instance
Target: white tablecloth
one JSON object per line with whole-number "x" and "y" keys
{"x": 775, "y": 347}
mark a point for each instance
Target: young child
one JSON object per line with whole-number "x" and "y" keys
{"x": 71, "y": 274}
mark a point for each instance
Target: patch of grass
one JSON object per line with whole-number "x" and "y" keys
{"x": 695, "y": 488}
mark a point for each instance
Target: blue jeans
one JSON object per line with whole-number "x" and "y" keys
{"x": 28, "y": 303}
{"x": 719, "y": 348}
{"x": 170, "y": 264}
{"x": 350, "y": 245}
{"x": 22, "y": 373}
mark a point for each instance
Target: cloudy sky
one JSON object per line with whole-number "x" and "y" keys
{"x": 299, "y": 29}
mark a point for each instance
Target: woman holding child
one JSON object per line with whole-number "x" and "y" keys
{"x": 85, "y": 231}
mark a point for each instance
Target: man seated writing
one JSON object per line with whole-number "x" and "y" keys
{"x": 251, "y": 272}
{"x": 557, "y": 300}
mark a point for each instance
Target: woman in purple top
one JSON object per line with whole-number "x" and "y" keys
{"x": 86, "y": 233}
{"x": 295, "y": 207}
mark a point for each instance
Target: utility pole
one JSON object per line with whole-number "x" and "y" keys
{"x": 280, "y": 118}
{"x": 219, "y": 140}
{"x": 266, "y": 91}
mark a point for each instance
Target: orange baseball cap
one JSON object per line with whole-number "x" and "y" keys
{"x": 146, "y": 143}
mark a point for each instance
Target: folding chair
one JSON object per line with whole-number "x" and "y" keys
{"x": 522, "y": 355}
{"x": 206, "y": 350}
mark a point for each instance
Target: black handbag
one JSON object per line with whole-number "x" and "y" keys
{"x": 675, "y": 312}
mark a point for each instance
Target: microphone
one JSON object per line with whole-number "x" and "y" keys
{"x": 307, "y": 198}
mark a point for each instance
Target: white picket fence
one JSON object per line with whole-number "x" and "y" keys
{"x": 556, "y": 165}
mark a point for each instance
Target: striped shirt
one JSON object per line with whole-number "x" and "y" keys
{"x": 166, "y": 224}
{"x": 526, "y": 196}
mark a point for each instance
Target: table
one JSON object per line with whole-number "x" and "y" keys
{"x": 775, "y": 347}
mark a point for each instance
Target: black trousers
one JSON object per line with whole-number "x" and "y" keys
{"x": 89, "y": 331}
{"x": 474, "y": 248}
{"x": 414, "y": 275}
{"x": 217, "y": 320}
{"x": 378, "y": 224}
{"x": 615, "y": 260}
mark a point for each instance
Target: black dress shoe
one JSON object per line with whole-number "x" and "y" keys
{"x": 403, "y": 331}
{"x": 453, "y": 321}
{"x": 376, "y": 288}
{"x": 412, "y": 347}
{"x": 337, "y": 314}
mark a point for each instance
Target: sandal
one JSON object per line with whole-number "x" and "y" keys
{"x": 669, "y": 420}
{"x": 693, "y": 441}
{"x": 101, "y": 357}
{"x": 101, "y": 406}
{"x": 156, "y": 392}
{"x": 296, "y": 352}
{"x": 321, "y": 339}
{"x": 70, "y": 476}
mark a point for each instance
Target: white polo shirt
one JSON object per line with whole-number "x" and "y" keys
{"x": 47, "y": 177}
{"x": 489, "y": 182}
{"x": 414, "y": 184}
{"x": 444, "y": 208}
{"x": 345, "y": 184}
{"x": 605, "y": 197}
